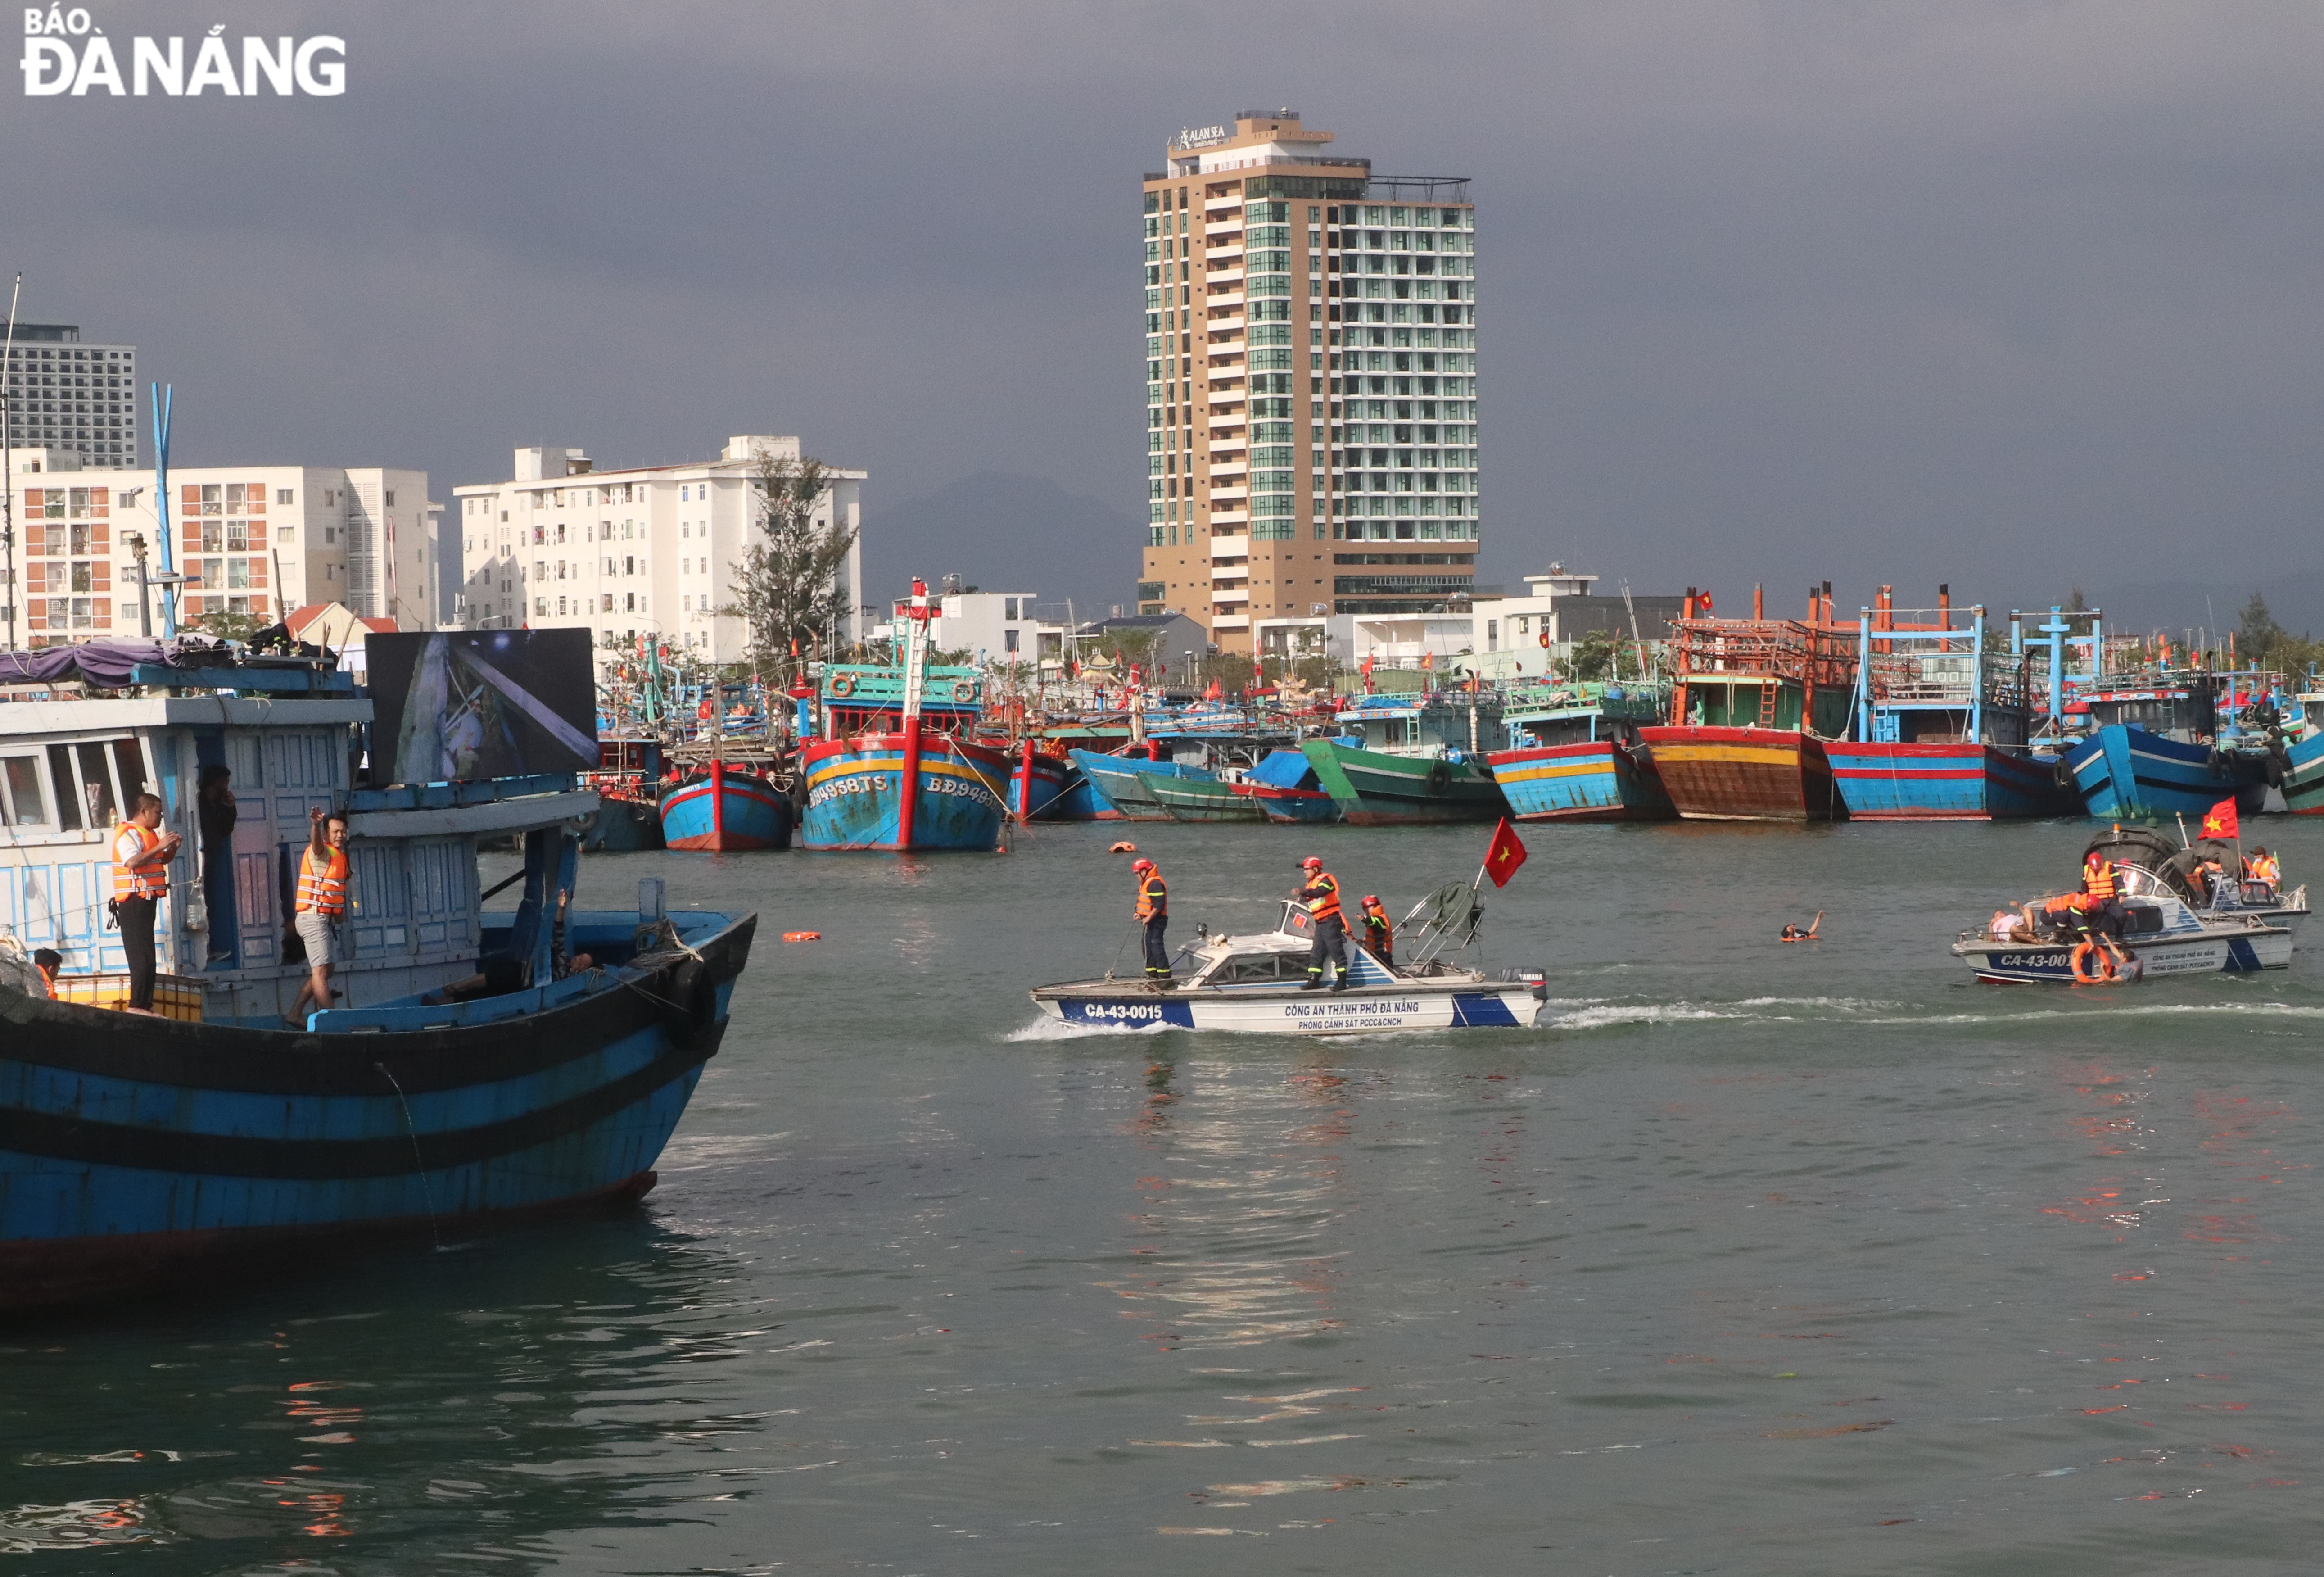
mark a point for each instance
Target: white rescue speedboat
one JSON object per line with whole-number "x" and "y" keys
{"x": 2162, "y": 934}
{"x": 1257, "y": 985}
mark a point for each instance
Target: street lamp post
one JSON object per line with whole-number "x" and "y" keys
{"x": 145, "y": 606}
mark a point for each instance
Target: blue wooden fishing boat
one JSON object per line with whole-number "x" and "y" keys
{"x": 1942, "y": 725}
{"x": 1037, "y": 781}
{"x": 1574, "y": 753}
{"x": 1284, "y": 785}
{"x": 1113, "y": 784}
{"x": 912, "y": 786}
{"x": 2153, "y": 750}
{"x": 136, "y": 1147}
{"x": 2303, "y": 777}
{"x": 725, "y": 809}
{"x": 1412, "y": 760}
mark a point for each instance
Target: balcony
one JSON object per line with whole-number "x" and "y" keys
{"x": 1230, "y": 621}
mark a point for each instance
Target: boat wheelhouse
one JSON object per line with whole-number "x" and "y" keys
{"x": 2155, "y": 751}
{"x": 1574, "y": 753}
{"x": 1411, "y": 759}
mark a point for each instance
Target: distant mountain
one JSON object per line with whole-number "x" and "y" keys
{"x": 2296, "y": 600}
{"x": 1006, "y": 533}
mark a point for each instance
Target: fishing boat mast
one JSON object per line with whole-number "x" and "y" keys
{"x": 915, "y": 614}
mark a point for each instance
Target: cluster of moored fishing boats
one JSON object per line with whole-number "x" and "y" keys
{"x": 1896, "y": 716}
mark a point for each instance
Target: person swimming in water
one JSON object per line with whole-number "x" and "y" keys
{"x": 1794, "y": 933}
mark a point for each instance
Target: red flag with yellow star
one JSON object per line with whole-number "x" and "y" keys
{"x": 2219, "y": 821}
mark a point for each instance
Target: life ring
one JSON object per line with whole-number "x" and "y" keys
{"x": 693, "y": 1003}
{"x": 843, "y": 684}
{"x": 2083, "y": 951}
{"x": 964, "y": 690}
{"x": 1440, "y": 776}
{"x": 1123, "y": 848}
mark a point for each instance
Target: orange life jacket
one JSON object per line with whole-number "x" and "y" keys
{"x": 323, "y": 889}
{"x": 2098, "y": 878}
{"x": 1377, "y": 932}
{"x": 1153, "y": 896}
{"x": 2266, "y": 869}
{"x": 1322, "y": 896}
{"x": 134, "y": 881}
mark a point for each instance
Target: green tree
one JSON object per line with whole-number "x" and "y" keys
{"x": 1593, "y": 655}
{"x": 792, "y": 587}
{"x": 228, "y": 626}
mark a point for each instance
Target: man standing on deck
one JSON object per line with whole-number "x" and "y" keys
{"x": 322, "y": 899}
{"x": 1379, "y": 937}
{"x": 1322, "y": 896}
{"x": 142, "y": 853}
{"x": 214, "y": 810}
{"x": 1154, "y": 914}
{"x": 2106, "y": 915}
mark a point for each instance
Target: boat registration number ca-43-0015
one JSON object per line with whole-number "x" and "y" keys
{"x": 1123, "y": 1012}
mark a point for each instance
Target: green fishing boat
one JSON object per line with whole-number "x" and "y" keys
{"x": 1418, "y": 761}
{"x": 1201, "y": 798}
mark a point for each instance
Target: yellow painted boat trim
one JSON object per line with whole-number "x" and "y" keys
{"x": 1738, "y": 754}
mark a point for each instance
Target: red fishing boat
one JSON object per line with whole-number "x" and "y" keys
{"x": 1752, "y": 701}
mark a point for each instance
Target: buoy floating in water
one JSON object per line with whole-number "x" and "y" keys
{"x": 802, "y": 936}
{"x": 1125, "y": 847}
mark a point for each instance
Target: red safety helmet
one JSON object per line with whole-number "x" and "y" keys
{"x": 1371, "y": 897}
{"x": 1311, "y": 863}
{"x": 1141, "y": 864}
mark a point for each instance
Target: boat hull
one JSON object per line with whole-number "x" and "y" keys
{"x": 2127, "y": 774}
{"x": 1113, "y": 782}
{"x": 854, "y": 794}
{"x": 1036, "y": 784}
{"x": 736, "y": 815}
{"x": 1744, "y": 774}
{"x": 1200, "y": 799}
{"x": 133, "y": 1150}
{"x": 1291, "y": 806}
{"x": 1949, "y": 781}
{"x": 2303, "y": 783}
{"x": 1077, "y": 800}
{"x": 623, "y": 827}
{"x": 1487, "y": 1005}
{"x": 1374, "y": 789}
{"x": 2051, "y": 963}
{"x": 1592, "y": 780}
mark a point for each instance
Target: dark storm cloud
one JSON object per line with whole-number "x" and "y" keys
{"x": 2011, "y": 296}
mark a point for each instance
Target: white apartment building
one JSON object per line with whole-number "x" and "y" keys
{"x": 651, "y": 550}
{"x": 64, "y": 394}
{"x": 250, "y": 540}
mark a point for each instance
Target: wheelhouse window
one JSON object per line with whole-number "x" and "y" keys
{"x": 24, "y": 802}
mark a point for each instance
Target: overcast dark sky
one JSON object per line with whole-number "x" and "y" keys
{"x": 2008, "y": 295}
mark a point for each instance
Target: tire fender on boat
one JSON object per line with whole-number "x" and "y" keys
{"x": 1440, "y": 776}
{"x": 692, "y": 1004}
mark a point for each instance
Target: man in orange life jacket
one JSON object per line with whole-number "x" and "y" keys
{"x": 322, "y": 900}
{"x": 1321, "y": 894}
{"x": 142, "y": 853}
{"x": 2106, "y": 915}
{"x": 1154, "y": 915}
{"x": 1379, "y": 937}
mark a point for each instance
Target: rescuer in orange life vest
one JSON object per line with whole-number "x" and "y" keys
{"x": 322, "y": 901}
{"x": 1321, "y": 894}
{"x": 1154, "y": 914}
{"x": 142, "y": 853}
{"x": 2105, "y": 916}
{"x": 1379, "y": 937}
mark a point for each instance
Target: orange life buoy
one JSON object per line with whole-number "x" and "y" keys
{"x": 2084, "y": 951}
{"x": 802, "y": 936}
{"x": 965, "y": 690}
{"x": 1123, "y": 848}
{"x": 843, "y": 684}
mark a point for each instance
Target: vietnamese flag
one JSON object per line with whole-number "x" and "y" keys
{"x": 1502, "y": 860}
{"x": 2219, "y": 821}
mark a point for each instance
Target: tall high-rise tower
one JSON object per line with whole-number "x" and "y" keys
{"x": 1311, "y": 394}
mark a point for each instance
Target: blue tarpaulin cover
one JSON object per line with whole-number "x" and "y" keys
{"x": 1285, "y": 770}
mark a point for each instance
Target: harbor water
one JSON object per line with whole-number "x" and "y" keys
{"x": 1754, "y": 1257}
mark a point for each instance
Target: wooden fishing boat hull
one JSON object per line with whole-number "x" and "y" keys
{"x": 1037, "y": 781}
{"x": 1594, "y": 780}
{"x": 1200, "y": 799}
{"x": 1113, "y": 782}
{"x": 1949, "y": 781}
{"x": 2127, "y": 774}
{"x": 728, "y": 812}
{"x": 622, "y": 826}
{"x": 1374, "y": 789}
{"x": 1291, "y": 806}
{"x": 1077, "y": 800}
{"x": 135, "y": 1150}
{"x": 2303, "y": 784}
{"x": 854, "y": 794}
{"x": 1744, "y": 774}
